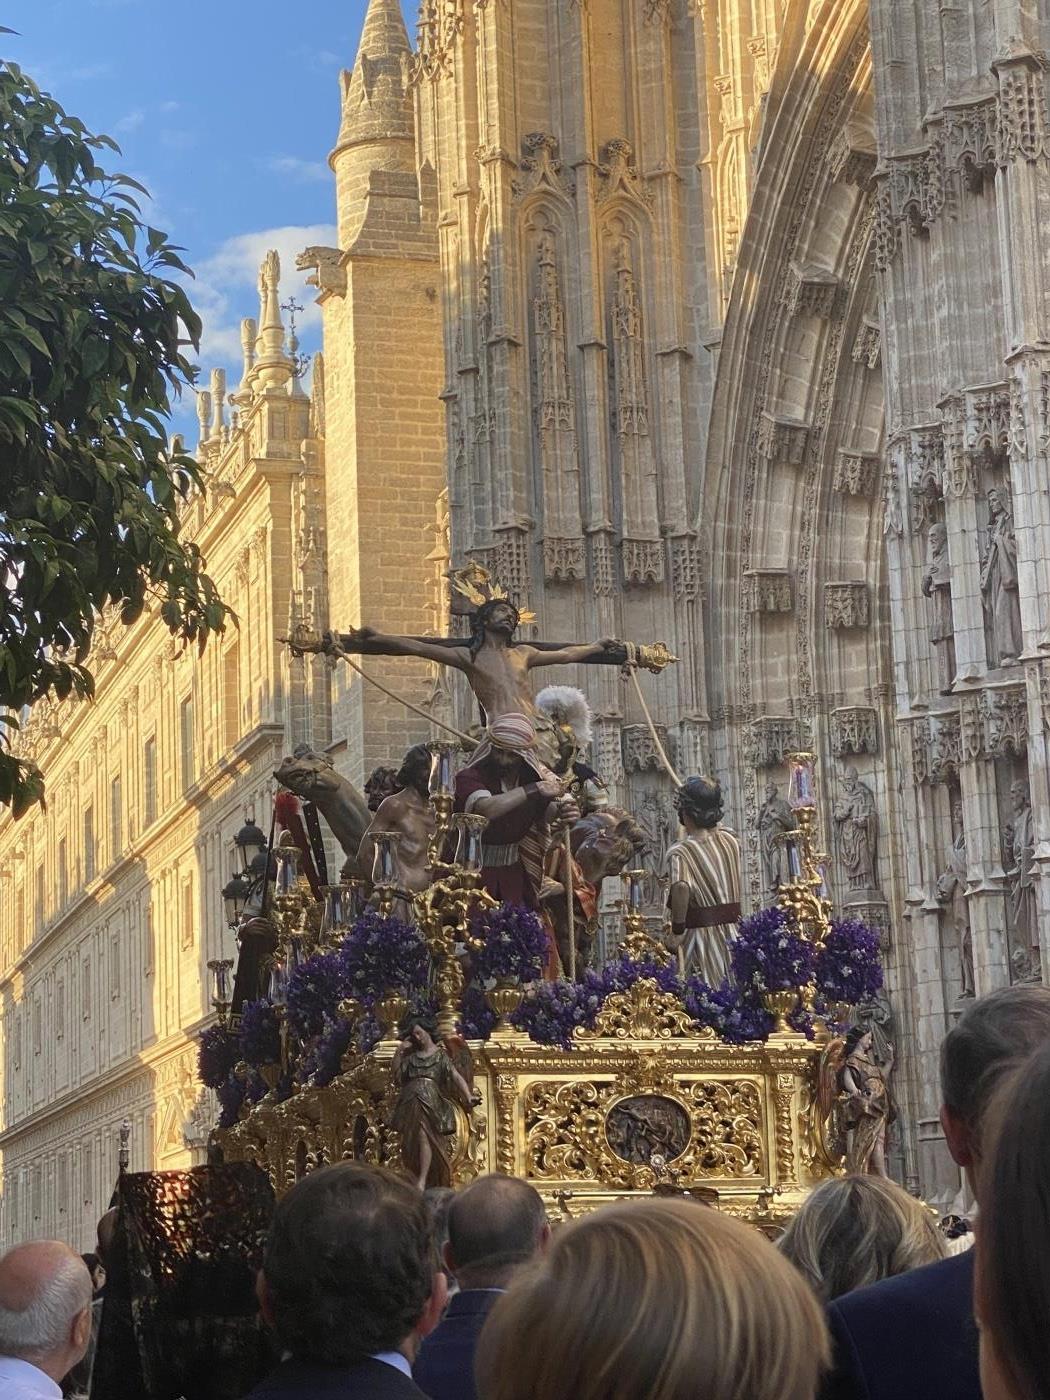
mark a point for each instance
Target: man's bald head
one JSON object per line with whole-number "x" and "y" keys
{"x": 45, "y": 1306}
{"x": 494, "y": 1224}
{"x": 105, "y": 1232}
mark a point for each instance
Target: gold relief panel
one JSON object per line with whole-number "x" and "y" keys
{"x": 617, "y": 1133}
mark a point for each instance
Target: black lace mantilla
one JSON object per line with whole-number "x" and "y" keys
{"x": 181, "y": 1317}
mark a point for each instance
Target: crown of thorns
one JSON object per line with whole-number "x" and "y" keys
{"x": 475, "y": 584}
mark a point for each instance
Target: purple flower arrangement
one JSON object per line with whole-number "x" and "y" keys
{"x": 734, "y": 1018}
{"x": 260, "y": 1041}
{"x": 622, "y": 973}
{"x": 514, "y": 945}
{"x": 231, "y": 1094}
{"x": 477, "y": 1020}
{"x": 847, "y": 967}
{"x": 769, "y": 954}
{"x": 314, "y": 992}
{"x": 550, "y": 1012}
{"x": 216, "y": 1056}
{"x": 383, "y": 955}
{"x": 323, "y": 1059}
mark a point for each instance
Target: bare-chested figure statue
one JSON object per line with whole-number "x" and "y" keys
{"x": 495, "y": 665}
{"x": 408, "y": 812}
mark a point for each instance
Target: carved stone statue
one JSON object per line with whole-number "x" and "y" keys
{"x": 937, "y": 586}
{"x": 774, "y": 818}
{"x": 857, "y": 823}
{"x": 999, "y": 579}
{"x": 951, "y": 892}
{"x": 1021, "y": 876}
{"x": 311, "y": 776}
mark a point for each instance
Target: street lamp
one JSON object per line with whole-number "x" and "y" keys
{"x": 247, "y": 844}
{"x": 235, "y": 896}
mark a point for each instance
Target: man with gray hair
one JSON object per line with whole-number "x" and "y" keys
{"x": 45, "y": 1318}
{"x": 914, "y": 1336}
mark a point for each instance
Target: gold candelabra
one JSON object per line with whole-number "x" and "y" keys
{"x": 803, "y": 896}
{"x": 638, "y": 943}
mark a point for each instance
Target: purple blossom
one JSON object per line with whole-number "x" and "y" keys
{"x": 550, "y": 1012}
{"x": 382, "y": 955}
{"x": 514, "y": 944}
{"x": 315, "y": 990}
{"x": 622, "y": 973}
{"x": 477, "y": 1020}
{"x": 769, "y": 954}
{"x": 847, "y": 966}
{"x": 231, "y": 1094}
{"x": 737, "y": 1019}
{"x": 324, "y": 1058}
{"x": 216, "y": 1056}
{"x": 260, "y": 1033}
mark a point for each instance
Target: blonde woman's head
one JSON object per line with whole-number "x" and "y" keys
{"x": 655, "y": 1300}
{"x": 855, "y": 1230}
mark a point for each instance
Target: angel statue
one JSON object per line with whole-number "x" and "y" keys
{"x": 868, "y": 1110}
{"x": 429, "y": 1087}
{"x": 854, "y": 1101}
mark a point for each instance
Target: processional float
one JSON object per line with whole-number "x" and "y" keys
{"x": 439, "y": 1048}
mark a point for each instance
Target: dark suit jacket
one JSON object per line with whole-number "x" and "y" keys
{"x": 445, "y": 1364}
{"x": 909, "y": 1336}
{"x": 305, "y": 1380}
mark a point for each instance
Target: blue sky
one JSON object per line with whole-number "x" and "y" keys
{"x": 225, "y": 111}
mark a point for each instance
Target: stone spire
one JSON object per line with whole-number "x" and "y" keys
{"x": 377, "y": 104}
{"x": 377, "y": 131}
{"x": 271, "y": 363}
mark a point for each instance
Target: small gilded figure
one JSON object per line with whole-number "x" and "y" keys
{"x": 866, "y": 1101}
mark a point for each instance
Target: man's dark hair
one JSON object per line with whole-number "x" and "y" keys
{"x": 415, "y": 762}
{"x": 700, "y": 801}
{"x": 987, "y": 1041}
{"x": 494, "y": 1224}
{"x": 349, "y": 1263}
{"x": 479, "y": 620}
{"x": 381, "y": 782}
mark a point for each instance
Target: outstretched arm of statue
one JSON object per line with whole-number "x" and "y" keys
{"x": 366, "y": 641}
{"x": 579, "y": 653}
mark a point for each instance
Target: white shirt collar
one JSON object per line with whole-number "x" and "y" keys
{"x": 20, "y": 1380}
{"x": 395, "y": 1359}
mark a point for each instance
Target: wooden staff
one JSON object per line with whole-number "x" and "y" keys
{"x": 570, "y": 903}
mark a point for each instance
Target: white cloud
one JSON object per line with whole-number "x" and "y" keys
{"x": 226, "y": 290}
{"x": 302, "y": 171}
{"x": 131, "y": 122}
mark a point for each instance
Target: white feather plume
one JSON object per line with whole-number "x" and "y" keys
{"x": 567, "y": 705}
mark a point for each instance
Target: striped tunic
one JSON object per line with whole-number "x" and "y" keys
{"x": 708, "y": 861}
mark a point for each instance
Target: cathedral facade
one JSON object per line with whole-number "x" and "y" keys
{"x": 717, "y": 324}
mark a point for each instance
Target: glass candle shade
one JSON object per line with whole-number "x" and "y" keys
{"x": 801, "y": 782}
{"x": 468, "y": 844}
{"x": 442, "y": 775}
{"x": 287, "y": 868}
{"x": 384, "y": 861}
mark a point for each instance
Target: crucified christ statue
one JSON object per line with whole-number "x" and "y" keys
{"x": 495, "y": 665}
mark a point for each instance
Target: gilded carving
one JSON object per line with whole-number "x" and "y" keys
{"x": 643, "y": 1013}
{"x": 577, "y": 1130}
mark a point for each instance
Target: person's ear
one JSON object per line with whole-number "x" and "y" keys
{"x": 545, "y": 1238}
{"x": 957, "y": 1135}
{"x": 265, "y": 1297}
{"x": 434, "y": 1307}
{"x": 80, "y": 1332}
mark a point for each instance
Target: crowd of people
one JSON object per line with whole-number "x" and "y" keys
{"x": 373, "y": 1290}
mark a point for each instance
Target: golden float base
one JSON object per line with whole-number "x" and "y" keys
{"x": 641, "y": 1104}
